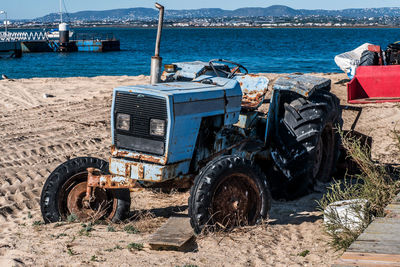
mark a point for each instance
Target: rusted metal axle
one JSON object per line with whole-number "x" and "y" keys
{"x": 96, "y": 179}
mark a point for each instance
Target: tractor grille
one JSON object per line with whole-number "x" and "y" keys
{"x": 141, "y": 108}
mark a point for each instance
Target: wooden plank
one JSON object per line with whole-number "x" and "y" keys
{"x": 390, "y": 247}
{"x": 387, "y": 220}
{"x": 392, "y": 215}
{"x": 172, "y": 235}
{"x": 378, "y": 237}
{"x": 379, "y": 245}
{"x": 383, "y": 228}
{"x": 348, "y": 263}
{"x": 392, "y": 209}
{"x": 368, "y": 259}
{"x": 383, "y": 258}
{"x": 394, "y": 206}
{"x": 396, "y": 199}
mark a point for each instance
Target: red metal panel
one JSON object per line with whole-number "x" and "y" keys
{"x": 375, "y": 48}
{"x": 375, "y": 84}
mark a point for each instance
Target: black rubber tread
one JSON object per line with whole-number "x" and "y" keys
{"x": 206, "y": 181}
{"x": 53, "y": 184}
{"x": 298, "y": 134}
{"x": 369, "y": 58}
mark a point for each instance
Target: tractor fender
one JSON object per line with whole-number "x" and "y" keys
{"x": 304, "y": 85}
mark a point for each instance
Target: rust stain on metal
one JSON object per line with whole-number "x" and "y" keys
{"x": 94, "y": 181}
{"x": 164, "y": 75}
{"x": 127, "y": 170}
{"x": 125, "y": 154}
{"x": 252, "y": 75}
{"x": 141, "y": 172}
{"x": 75, "y": 200}
{"x": 236, "y": 198}
{"x": 252, "y": 100}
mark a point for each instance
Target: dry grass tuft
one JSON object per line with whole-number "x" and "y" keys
{"x": 375, "y": 184}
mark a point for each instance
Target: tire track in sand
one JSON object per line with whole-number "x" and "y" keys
{"x": 35, "y": 140}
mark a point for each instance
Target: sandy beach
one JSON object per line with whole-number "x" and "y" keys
{"x": 45, "y": 121}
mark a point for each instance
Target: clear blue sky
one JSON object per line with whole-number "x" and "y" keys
{"x": 19, "y": 9}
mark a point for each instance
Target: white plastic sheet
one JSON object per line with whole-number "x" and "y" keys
{"x": 349, "y": 61}
{"x": 347, "y": 214}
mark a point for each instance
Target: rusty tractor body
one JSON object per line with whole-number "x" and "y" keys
{"x": 202, "y": 128}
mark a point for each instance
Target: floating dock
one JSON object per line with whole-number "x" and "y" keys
{"x": 97, "y": 45}
{"x": 379, "y": 244}
{"x": 14, "y": 43}
{"x": 73, "y": 46}
{"x": 36, "y": 46}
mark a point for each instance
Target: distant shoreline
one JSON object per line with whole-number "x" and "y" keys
{"x": 122, "y": 26}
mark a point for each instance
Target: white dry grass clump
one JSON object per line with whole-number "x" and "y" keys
{"x": 347, "y": 214}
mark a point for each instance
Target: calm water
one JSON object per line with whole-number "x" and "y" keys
{"x": 260, "y": 50}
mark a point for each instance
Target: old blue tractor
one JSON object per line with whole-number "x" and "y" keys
{"x": 202, "y": 128}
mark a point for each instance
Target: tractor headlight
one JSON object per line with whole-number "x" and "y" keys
{"x": 157, "y": 127}
{"x": 123, "y": 122}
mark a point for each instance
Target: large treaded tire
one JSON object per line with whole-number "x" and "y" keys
{"x": 369, "y": 58}
{"x": 220, "y": 173}
{"x": 49, "y": 201}
{"x": 307, "y": 126}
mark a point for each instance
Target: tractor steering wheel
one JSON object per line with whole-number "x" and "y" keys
{"x": 230, "y": 74}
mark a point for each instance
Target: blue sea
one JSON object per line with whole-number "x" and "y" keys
{"x": 260, "y": 50}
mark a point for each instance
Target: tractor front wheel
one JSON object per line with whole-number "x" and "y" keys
{"x": 64, "y": 191}
{"x": 229, "y": 191}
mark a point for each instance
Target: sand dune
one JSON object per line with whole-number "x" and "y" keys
{"x": 38, "y": 133}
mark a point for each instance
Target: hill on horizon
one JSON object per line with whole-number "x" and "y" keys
{"x": 141, "y": 13}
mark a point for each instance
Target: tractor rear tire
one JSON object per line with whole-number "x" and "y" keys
{"x": 307, "y": 146}
{"x": 369, "y": 58}
{"x": 229, "y": 191}
{"x": 65, "y": 188}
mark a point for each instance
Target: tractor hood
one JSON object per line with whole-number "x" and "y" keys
{"x": 189, "y": 91}
{"x": 181, "y": 105}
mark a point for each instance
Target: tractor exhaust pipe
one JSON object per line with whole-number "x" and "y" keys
{"x": 156, "y": 60}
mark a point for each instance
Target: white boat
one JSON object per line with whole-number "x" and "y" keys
{"x": 55, "y": 34}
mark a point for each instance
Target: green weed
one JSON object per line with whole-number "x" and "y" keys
{"x": 136, "y": 246}
{"x": 86, "y": 229}
{"x": 37, "y": 223}
{"x": 110, "y": 228}
{"x": 130, "y": 229}
{"x": 304, "y": 253}
{"x": 71, "y": 252}
{"x": 72, "y": 218}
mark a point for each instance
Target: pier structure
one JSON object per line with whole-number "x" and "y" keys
{"x": 10, "y": 49}
{"x": 15, "y": 43}
{"x": 22, "y": 36}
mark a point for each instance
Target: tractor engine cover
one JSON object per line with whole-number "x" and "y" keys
{"x": 160, "y": 123}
